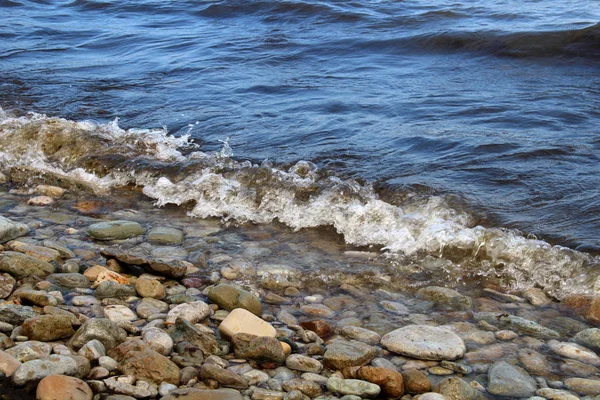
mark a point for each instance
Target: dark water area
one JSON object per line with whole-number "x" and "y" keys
{"x": 495, "y": 103}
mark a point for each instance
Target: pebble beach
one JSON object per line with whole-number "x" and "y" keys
{"x": 104, "y": 301}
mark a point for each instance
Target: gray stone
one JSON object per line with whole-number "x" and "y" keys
{"x": 455, "y": 388}
{"x": 10, "y": 229}
{"x": 127, "y": 389}
{"x": 508, "y": 380}
{"x": 164, "y": 235}
{"x": 115, "y": 230}
{"x": 101, "y": 329}
{"x": 15, "y": 314}
{"x": 425, "y": 343}
{"x": 353, "y": 387}
{"x": 184, "y": 331}
{"x": 444, "y": 298}
{"x": 35, "y": 370}
{"x": 590, "y": 387}
{"x": 304, "y": 363}
{"x": 341, "y": 354}
{"x": 92, "y": 350}
{"x": 309, "y": 388}
{"x": 201, "y": 394}
{"x": 360, "y": 334}
{"x": 167, "y": 267}
{"x": 150, "y": 306}
{"x": 69, "y": 280}
{"x": 225, "y": 377}
{"x": 193, "y": 312}
{"x": 589, "y": 338}
{"x": 64, "y": 251}
{"x": 261, "y": 348}
{"x": 31, "y": 350}
{"x": 22, "y": 265}
{"x": 518, "y": 323}
{"x": 230, "y": 297}
{"x": 112, "y": 289}
{"x": 7, "y": 284}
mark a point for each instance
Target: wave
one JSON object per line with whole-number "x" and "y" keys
{"x": 172, "y": 170}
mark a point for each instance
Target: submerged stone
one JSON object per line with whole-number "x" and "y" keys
{"x": 115, "y": 230}
{"x": 10, "y": 230}
{"x": 425, "y": 342}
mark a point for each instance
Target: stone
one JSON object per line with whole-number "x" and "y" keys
{"x": 164, "y": 235}
{"x": 48, "y": 328}
{"x": 35, "y": 370}
{"x": 256, "y": 377}
{"x": 341, "y": 354}
{"x": 92, "y": 272}
{"x": 394, "y": 307}
{"x": 119, "y": 313}
{"x": 158, "y": 340}
{"x": 537, "y": 297}
{"x": 455, "y": 388}
{"x": 416, "y": 382}
{"x": 201, "y": 394}
{"x": 589, "y": 387}
{"x": 111, "y": 289}
{"x": 149, "y": 306}
{"x": 139, "y": 360}
{"x": 574, "y": 351}
{"x": 265, "y": 394}
{"x": 101, "y": 329}
{"x": 7, "y": 284}
{"x": 15, "y": 314}
{"x": 31, "y": 350}
{"x": 318, "y": 310}
{"x": 109, "y": 363}
{"x": 508, "y": 380}
{"x": 166, "y": 388}
{"x": 318, "y": 326}
{"x": 50, "y": 191}
{"x": 150, "y": 288}
{"x": 390, "y": 381}
{"x": 37, "y": 298}
{"x": 69, "y": 280}
{"x": 517, "y": 323}
{"x": 243, "y": 321}
{"x": 39, "y": 252}
{"x": 8, "y": 364}
{"x": 555, "y": 394}
{"x": 231, "y": 297}
{"x": 62, "y": 387}
{"x": 425, "y": 343}
{"x": 309, "y": 388}
{"x": 25, "y": 176}
{"x": 40, "y": 201}
{"x": 92, "y": 350}
{"x": 172, "y": 268}
{"x": 352, "y": 387}
{"x": 21, "y": 265}
{"x": 225, "y": 377}
{"x": 444, "y": 298}
{"x": 192, "y": 312}
{"x": 589, "y": 338}
{"x": 360, "y": 334}
{"x": 10, "y": 230}
{"x": 301, "y": 362}
{"x": 184, "y": 331}
{"x": 115, "y": 230}
{"x": 127, "y": 389}
{"x": 260, "y": 348}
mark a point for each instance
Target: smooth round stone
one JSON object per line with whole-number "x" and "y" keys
{"x": 147, "y": 287}
{"x": 164, "y": 235}
{"x": 119, "y": 313}
{"x": 115, "y": 230}
{"x": 149, "y": 306}
{"x": 303, "y": 363}
{"x": 158, "y": 340}
{"x": 505, "y": 379}
{"x": 64, "y": 388}
{"x": 352, "y": 387}
{"x": 193, "y": 312}
{"x": 108, "y": 363}
{"x": 169, "y": 252}
{"x": 425, "y": 342}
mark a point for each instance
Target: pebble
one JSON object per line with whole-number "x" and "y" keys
{"x": 40, "y": 201}
{"x": 353, "y": 387}
{"x": 341, "y": 354}
{"x": 303, "y": 363}
{"x": 192, "y": 312}
{"x": 511, "y": 381}
{"x": 425, "y": 343}
{"x": 63, "y": 387}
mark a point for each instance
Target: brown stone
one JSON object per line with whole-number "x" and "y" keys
{"x": 341, "y": 354}
{"x": 8, "y": 364}
{"x": 47, "y": 328}
{"x": 260, "y": 348}
{"x": 201, "y": 394}
{"x": 137, "y": 359}
{"x": 223, "y": 376}
{"x": 390, "y": 381}
{"x": 61, "y": 387}
{"x": 319, "y": 326}
{"x": 147, "y": 287}
{"x": 415, "y": 382}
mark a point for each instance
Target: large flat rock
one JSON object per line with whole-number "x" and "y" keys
{"x": 425, "y": 342}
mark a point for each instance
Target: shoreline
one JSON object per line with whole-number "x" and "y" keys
{"x": 336, "y": 308}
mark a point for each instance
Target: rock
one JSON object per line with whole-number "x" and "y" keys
{"x": 37, "y": 298}
{"x": 425, "y": 343}
{"x": 158, "y": 340}
{"x": 118, "y": 313}
{"x": 589, "y": 387}
{"x": 115, "y": 230}
{"x": 518, "y": 323}
{"x": 389, "y": 380}
{"x": 457, "y": 389}
{"x": 265, "y": 394}
{"x": 22, "y": 265}
{"x": 309, "y": 388}
{"x": 172, "y": 268}
{"x": 200, "y": 394}
{"x": 93, "y": 272}
{"x": 31, "y": 350}
{"x": 166, "y": 388}
{"x": 243, "y": 321}
{"x": 536, "y": 297}
{"x": 92, "y": 350}
{"x": 150, "y": 288}
{"x": 192, "y": 312}
{"x": 40, "y": 201}
{"x": 48, "y": 328}
{"x": 50, "y": 191}
{"x": 109, "y": 363}
{"x": 341, "y": 354}
{"x": 300, "y": 362}
{"x": 24, "y": 175}
{"x": 164, "y": 235}
{"x": 10, "y": 230}
{"x": 574, "y": 351}
{"x": 111, "y": 289}
{"x": 184, "y": 331}
{"x": 8, "y": 364}
{"x": 62, "y": 387}
{"x": 318, "y": 310}
{"x": 35, "y": 370}
{"x": 139, "y": 360}
{"x": 148, "y": 307}
{"x": 225, "y": 377}
{"x": 394, "y": 307}
{"x": 416, "y": 382}
{"x": 7, "y": 284}
{"x": 15, "y": 314}
{"x": 256, "y": 377}
{"x": 444, "y": 298}
{"x": 360, "y": 334}
{"x": 319, "y": 326}
{"x": 39, "y": 252}
{"x": 140, "y": 391}
{"x": 589, "y": 338}
{"x": 260, "y": 348}
{"x": 101, "y": 329}
{"x": 69, "y": 280}
{"x": 231, "y": 297}
{"x": 505, "y": 379}
{"x": 352, "y": 387}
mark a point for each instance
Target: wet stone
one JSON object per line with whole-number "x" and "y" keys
{"x": 300, "y": 362}
{"x": 225, "y": 377}
{"x": 201, "y": 394}
{"x": 318, "y": 310}
{"x": 115, "y": 230}
{"x": 231, "y": 297}
{"x": 48, "y": 328}
{"x": 425, "y": 343}
{"x": 35, "y": 370}
{"x": 149, "y": 306}
{"x": 395, "y": 307}
{"x": 22, "y": 265}
{"x": 185, "y": 331}
{"x": 69, "y": 280}
{"x": 444, "y": 298}
{"x": 111, "y": 289}
{"x": 321, "y": 327}
{"x": 457, "y": 389}
{"x": 416, "y": 382}
{"x": 261, "y": 348}
{"x": 590, "y": 387}
{"x": 31, "y": 350}
{"x": 507, "y": 380}
{"x": 514, "y": 322}
{"x": 589, "y": 338}
{"x": 352, "y": 387}
{"x": 309, "y": 388}
{"x": 11, "y": 229}
{"x": 164, "y": 235}
{"x": 7, "y": 284}
{"x": 360, "y": 334}
{"x": 101, "y": 329}
{"x": 192, "y": 312}
{"x": 341, "y": 354}
{"x": 15, "y": 314}
{"x": 63, "y": 387}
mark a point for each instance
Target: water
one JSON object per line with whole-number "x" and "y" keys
{"x": 423, "y": 129}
